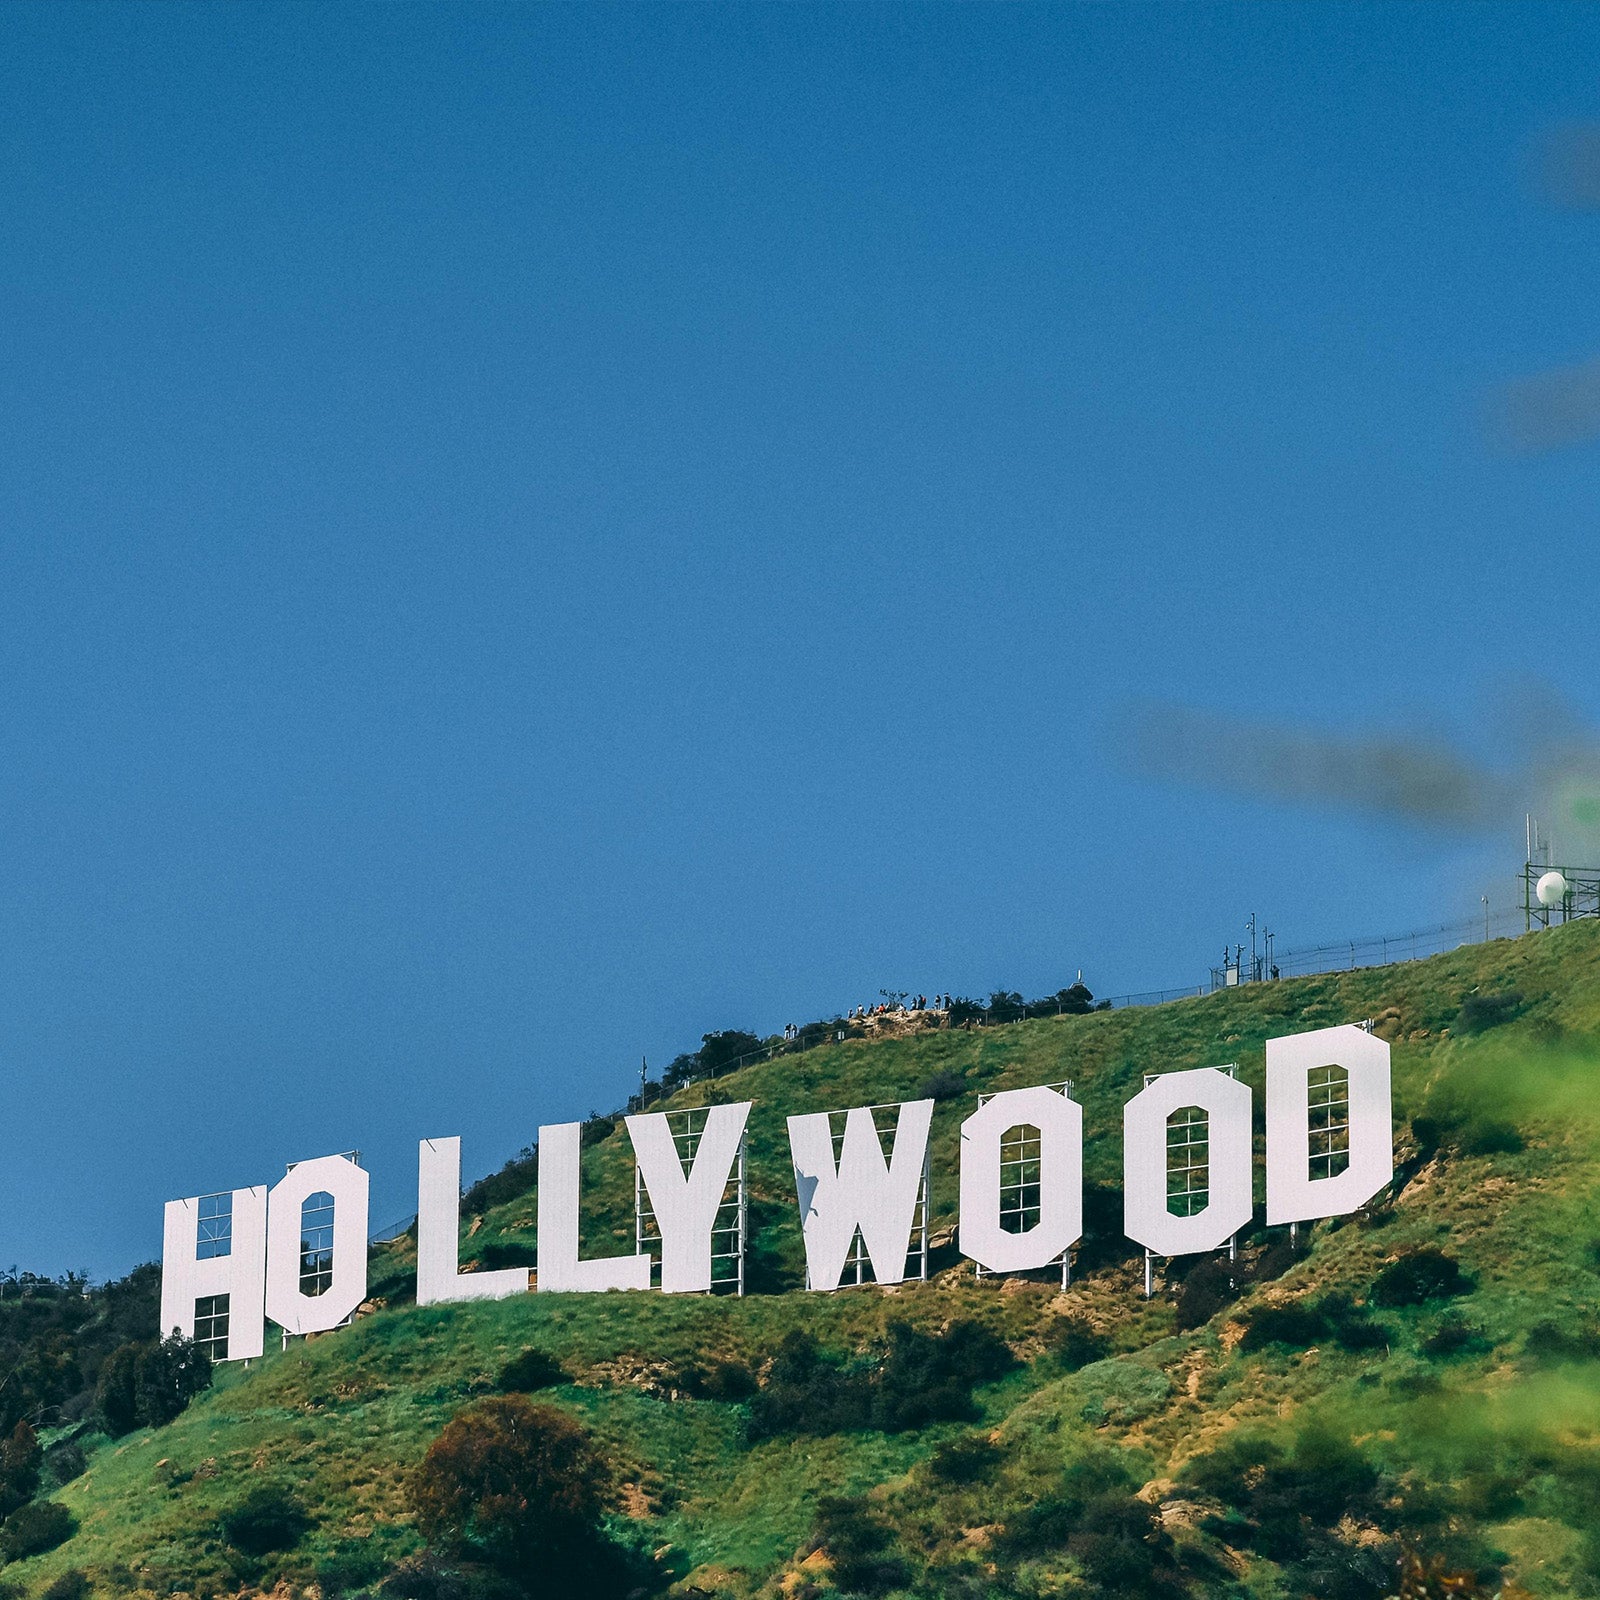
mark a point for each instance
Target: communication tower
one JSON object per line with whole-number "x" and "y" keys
{"x": 1551, "y": 891}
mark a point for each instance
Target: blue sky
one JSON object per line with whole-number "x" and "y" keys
{"x": 530, "y": 534}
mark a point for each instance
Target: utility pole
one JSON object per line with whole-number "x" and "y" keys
{"x": 1485, "y": 899}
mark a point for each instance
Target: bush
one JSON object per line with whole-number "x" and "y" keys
{"x": 268, "y": 1518}
{"x": 529, "y": 1372}
{"x": 1420, "y": 1276}
{"x": 809, "y": 1392}
{"x": 427, "y": 1577}
{"x": 727, "y": 1381}
{"x": 35, "y": 1528}
{"x": 1296, "y": 1325}
{"x": 1074, "y": 1343}
{"x": 1480, "y": 1012}
{"x": 1548, "y": 1341}
{"x": 508, "y": 1253}
{"x": 1281, "y": 1493}
{"x": 1352, "y": 1328}
{"x": 65, "y": 1461}
{"x": 1075, "y": 1000}
{"x": 969, "y": 1460}
{"x": 1459, "y": 1113}
{"x": 1210, "y": 1287}
{"x": 1104, "y": 1243}
{"x": 520, "y": 1487}
{"x": 1005, "y": 1005}
{"x": 860, "y": 1548}
{"x": 1213, "y": 1284}
{"x": 922, "y": 1379}
{"x": 596, "y": 1128}
{"x": 69, "y": 1585}
{"x": 1094, "y": 1515}
{"x": 1454, "y": 1337}
{"x": 354, "y": 1564}
{"x": 680, "y": 1070}
{"x": 943, "y": 1085}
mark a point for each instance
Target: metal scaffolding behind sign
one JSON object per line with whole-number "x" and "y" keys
{"x": 1020, "y": 1178}
{"x": 858, "y": 1259}
{"x": 729, "y": 1233}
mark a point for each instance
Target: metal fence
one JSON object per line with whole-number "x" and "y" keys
{"x": 1382, "y": 950}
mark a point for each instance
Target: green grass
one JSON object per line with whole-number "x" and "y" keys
{"x": 342, "y": 1418}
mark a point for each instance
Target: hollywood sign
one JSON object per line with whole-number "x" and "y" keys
{"x": 296, "y": 1253}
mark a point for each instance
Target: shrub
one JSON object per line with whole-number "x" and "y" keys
{"x": 596, "y": 1128}
{"x": 1296, "y": 1325}
{"x": 943, "y": 1085}
{"x": 508, "y": 1253}
{"x": 1122, "y": 1546}
{"x": 354, "y": 1564}
{"x": 116, "y": 1393}
{"x": 1480, "y": 1012}
{"x": 972, "y": 1459}
{"x": 1352, "y": 1328}
{"x": 1208, "y": 1288}
{"x": 427, "y": 1577}
{"x": 1419, "y": 1276}
{"x": 529, "y": 1372}
{"x": 1094, "y": 1515}
{"x": 1454, "y": 1337}
{"x": 728, "y": 1381}
{"x": 269, "y": 1518}
{"x": 680, "y": 1070}
{"x": 1104, "y": 1243}
{"x": 860, "y": 1548}
{"x": 65, "y": 1461}
{"x": 1459, "y": 1113}
{"x": 809, "y": 1392}
{"x": 170, "y": 1374}
{"x": 1074, "y": 1343}
{"x": 1075, "y": 1000}
{"x": 69, "y": 1585}
{"x": 1548, "y": 1341}
{"x": 32, "y": 1529}
{"x": 922, "y": 1379}
{"x": 519, "y": 1486}
{"x": 1005, "y": 1005}
{"x": 1280, "y": 1492}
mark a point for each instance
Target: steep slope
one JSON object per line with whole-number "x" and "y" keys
{"x": 1287, "y": 1456}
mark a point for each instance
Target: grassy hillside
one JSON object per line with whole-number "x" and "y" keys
{"x": 1293, "y": 1441}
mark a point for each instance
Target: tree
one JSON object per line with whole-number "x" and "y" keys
{"x": 170, "y": 1375}
{"x": 116, "y": 1392}
{"x": 20, "y": 1458}
{"x": 721, "y": 1052}
{"x": 520, "y": 1487}
{"x": 144, "y": 1384}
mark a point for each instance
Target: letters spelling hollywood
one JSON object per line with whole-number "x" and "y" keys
{"x": 232, "y": 1261}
